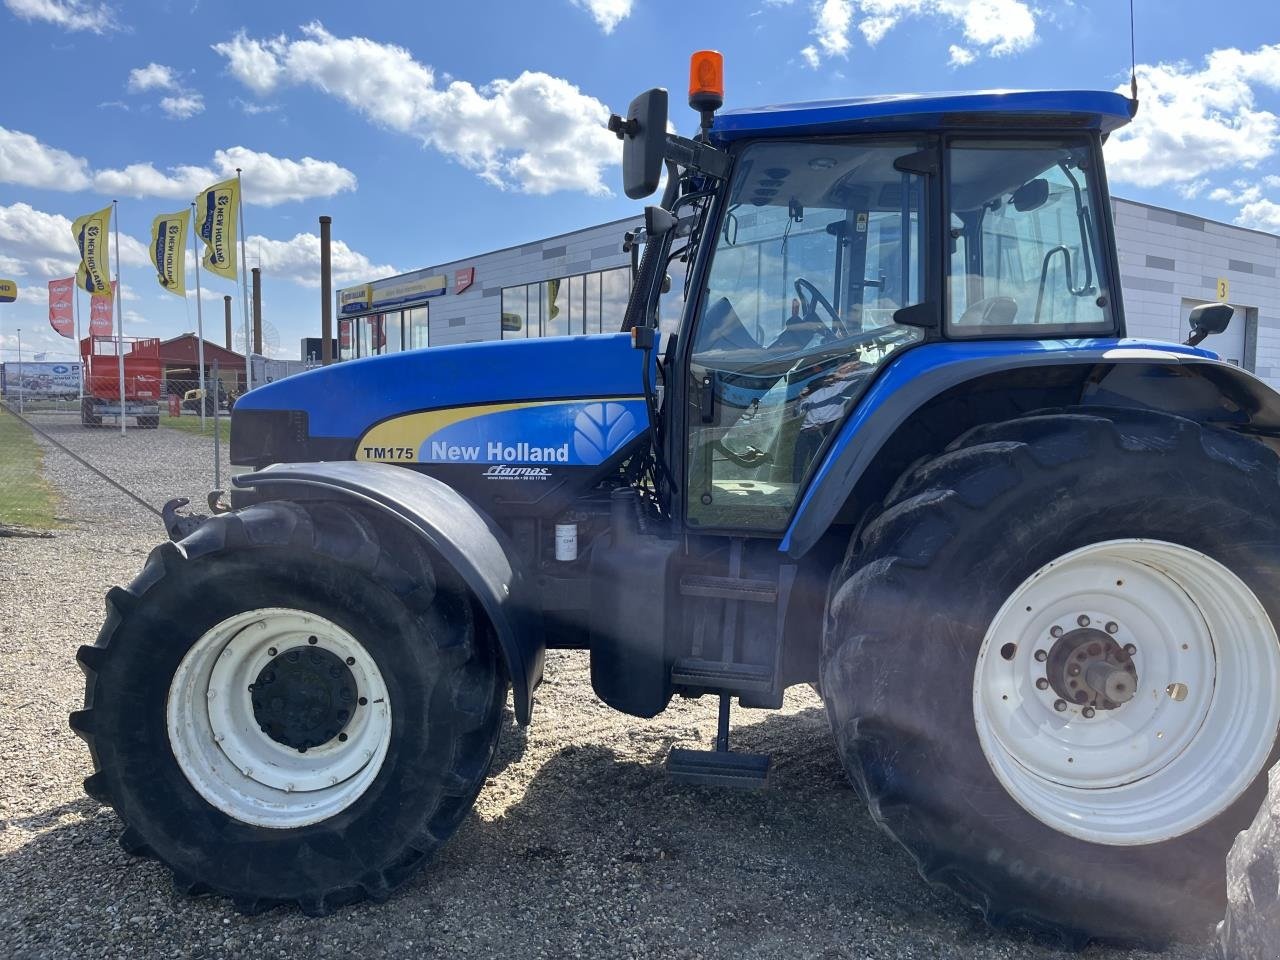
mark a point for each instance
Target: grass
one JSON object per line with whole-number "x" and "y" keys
{"x": 191, "y": 424}
{"x": 26, "y": 499}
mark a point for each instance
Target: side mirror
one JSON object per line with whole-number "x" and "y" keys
{"x": 644, "y": 138}
{"x": 1209, "y": 319}
{"x": 1031, "y": 195}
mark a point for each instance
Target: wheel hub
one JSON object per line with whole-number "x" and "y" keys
{"x": 1088, "y": 668}
{"x": 303, "y": 697}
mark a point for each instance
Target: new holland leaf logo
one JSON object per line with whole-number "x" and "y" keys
{"x": 600, "y": 430}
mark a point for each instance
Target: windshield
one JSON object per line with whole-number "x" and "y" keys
{"x": 819, "y": 248}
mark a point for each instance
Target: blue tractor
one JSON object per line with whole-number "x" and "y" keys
{"x": 897, "y": 447}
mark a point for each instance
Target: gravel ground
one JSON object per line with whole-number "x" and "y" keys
{"x": 578, "y": 846}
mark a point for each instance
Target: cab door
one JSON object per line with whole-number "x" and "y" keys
{"x": 819, "y": 244}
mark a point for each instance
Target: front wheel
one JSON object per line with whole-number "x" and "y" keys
{"x": 1053, "y": 668}
{"x": 291, "y": 706}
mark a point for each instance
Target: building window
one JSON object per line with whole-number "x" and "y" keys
{"x": 584, "y": 303}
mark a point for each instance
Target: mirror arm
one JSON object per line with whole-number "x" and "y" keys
{"x": 696, "y": 156}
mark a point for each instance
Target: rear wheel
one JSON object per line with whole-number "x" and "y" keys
{"x": 291, "y": 706}
{"x": 1052, "y": 667}
{"x": 148, "y": 423}
{"x": 88, "y": 416}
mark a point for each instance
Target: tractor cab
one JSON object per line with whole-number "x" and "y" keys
{"x": 825, "y": 239}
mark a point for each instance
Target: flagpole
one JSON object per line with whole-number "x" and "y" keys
{"x": 204, "y": 391}
{"x": 75, "y": 292}
{"x": 244, "y": 288}
{"x": 115, "y": 221}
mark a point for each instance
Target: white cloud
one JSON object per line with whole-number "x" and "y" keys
{"x": 536, "y": 133}
{"x": 1253, "y": 209}
{"x": 811, "y": 56}
{"x": 40, "y": 244}
{"x": 269, "y": 180}
{"x": 182, "y": 106}
{"x": 991, "y": 27}
{"x": 27, "y": 162}
{"x": 607, "y": 13}
{"x": 1195, "y": 120}
{"x": 831, "y": 26}
{"x": 72, "y": 14}
{"x": 299, "y": 260}
{"x": 154, "y": 76}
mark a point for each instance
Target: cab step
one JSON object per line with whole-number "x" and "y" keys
{"x": 715, "y": 675}
{"x": 720, "y": 767}
{"x": 729, "y": 588}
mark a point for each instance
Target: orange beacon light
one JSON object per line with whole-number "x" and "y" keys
{"x": 706, "y": 81}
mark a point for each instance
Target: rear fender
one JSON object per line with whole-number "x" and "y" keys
{"x": 956, "y": 382}
{"x": 465, "y": 538}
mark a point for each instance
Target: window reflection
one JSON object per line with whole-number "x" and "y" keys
{"x": 583, "y": 303}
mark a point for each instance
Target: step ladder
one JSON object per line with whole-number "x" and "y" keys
{"x": 758, "y": 683}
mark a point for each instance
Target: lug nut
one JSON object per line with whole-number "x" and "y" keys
{"x": 271, "y": 651}
{"x": 312, "y": 640}
{"x": 1130, "y": 649}
{"x": 1083, "y": 620}
{"x": 1042, "y": 655}
{"x": 1113, "y": 627}
{"x": 1056, "y": 632}
{"x": 351, "y": 661}
{"x": 1089, "y": 712}
{"x": 363, "y": 701}
{"x": 1059, "y": 705}
{"x": 342, "y": 738}
{"x": 1042, "y": 684}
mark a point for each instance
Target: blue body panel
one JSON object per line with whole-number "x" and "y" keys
{"x": 344, "y": 399}
{"x": 932, "y": 360}
{"x": 1092, "y": 109}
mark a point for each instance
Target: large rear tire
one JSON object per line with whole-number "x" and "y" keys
{"x": 1136, "y": 549}
{"x": 292, "y": 706}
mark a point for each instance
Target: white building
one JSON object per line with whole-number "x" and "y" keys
{"x": 1171, "y": 262}
{"x": 579, "y": 282}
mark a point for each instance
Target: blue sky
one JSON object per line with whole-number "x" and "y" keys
{"x": 431, "y": 132}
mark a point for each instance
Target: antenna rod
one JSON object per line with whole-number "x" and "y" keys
{"x": 1133, "y": 62}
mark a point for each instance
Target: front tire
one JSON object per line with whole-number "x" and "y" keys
{"x": 972, "y": 603}
{"x": 292, "y": 706}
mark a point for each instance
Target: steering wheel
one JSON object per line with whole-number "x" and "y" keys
{"x": 836, "y": 327}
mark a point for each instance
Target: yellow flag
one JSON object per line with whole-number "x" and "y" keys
{"x": 91, "y": 232}
{"x": 217, "y": 208}
{"x": 169, "y": 250}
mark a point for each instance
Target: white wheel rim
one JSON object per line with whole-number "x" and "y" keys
{"x": 232, "y": 762}
{"x": 1198, "y": 730}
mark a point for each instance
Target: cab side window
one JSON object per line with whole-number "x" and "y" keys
{"x": 1024, "y": 239}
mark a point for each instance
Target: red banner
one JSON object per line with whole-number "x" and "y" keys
{"x": 62, "y": 306}
{"x": 100, "y": 313}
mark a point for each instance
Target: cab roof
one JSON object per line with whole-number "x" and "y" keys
{"x": 1083, "y": 109}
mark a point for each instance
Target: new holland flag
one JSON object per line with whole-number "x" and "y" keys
{"x": 169, "y": 250}
{"x": 91, "y": 235}
{"x": 216, "y": 207}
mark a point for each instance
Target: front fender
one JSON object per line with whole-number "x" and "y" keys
{"x": 465, "y": 538}
{"x": 1111, "y": 372}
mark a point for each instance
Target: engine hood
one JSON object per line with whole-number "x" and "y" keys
{"x": 529, "y": 397}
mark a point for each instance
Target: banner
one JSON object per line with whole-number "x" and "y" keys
{"x": 91, "y": 233}
{"x": 61, "y": 306}
{"x": 169, "y": 250}
{"x": 100, "y": 313}
{"x": 217, "y": 208}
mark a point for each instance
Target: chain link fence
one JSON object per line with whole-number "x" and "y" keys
{"x": 69, "y": 454}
